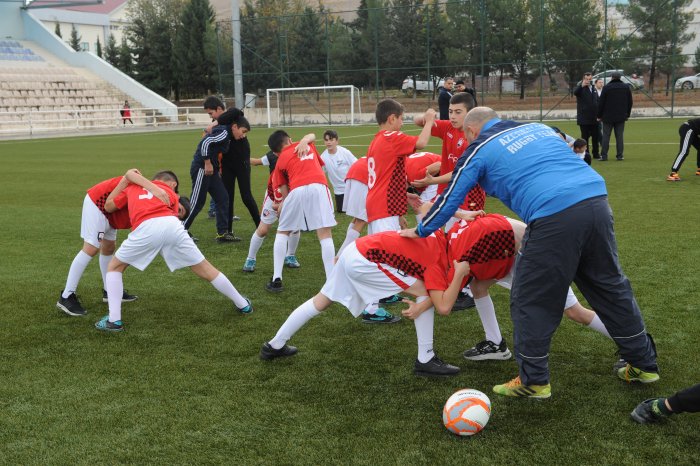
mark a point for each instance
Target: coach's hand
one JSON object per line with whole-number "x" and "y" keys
{"x": 208, "y": 168}
{"x": 408, "y": 233}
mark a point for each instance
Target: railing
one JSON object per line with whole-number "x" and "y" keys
{"x": 34, "y": 122}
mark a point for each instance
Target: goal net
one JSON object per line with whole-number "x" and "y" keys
{"x": 312, "y": 106}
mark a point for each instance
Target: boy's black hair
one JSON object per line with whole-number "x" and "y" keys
{"x": 386, "y": 108}
{"x": 277, "y": 140}
{"x": 579, "y": 143}
{"x": 186, "y": 204}
{"x": 459, "y": 82}
{"x": 330, "y": 134}
{"x": 212, "y": 103}
{"x": 463, "y": 98}
{"x": 230, "y": 116}
{"x": 242, "y": 122}
{"x": 167, "y": 175}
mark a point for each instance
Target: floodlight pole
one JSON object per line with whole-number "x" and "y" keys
{"x": 237, "y": 61}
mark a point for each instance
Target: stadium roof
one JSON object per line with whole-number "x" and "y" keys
{"x": 106, "y": 7}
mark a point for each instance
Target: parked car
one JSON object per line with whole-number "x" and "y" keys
{"x": 689, "y": 82}
{"x": 421, "y": 84}
{"x": 637, "y": 82}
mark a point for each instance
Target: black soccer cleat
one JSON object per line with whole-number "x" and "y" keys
{"x": 126, "y": 297}
{"x": 227, "y": 237}
{"x": 70, "y": 305}
{"x": 488, "y": 350}
{"x": 435, "y": 368}
{"x": 275, "y": 286}
{"x": 464, "y": 301}
{"x": 267, "y": 352}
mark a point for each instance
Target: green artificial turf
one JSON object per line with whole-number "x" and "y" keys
{"x": 184, "y": 384}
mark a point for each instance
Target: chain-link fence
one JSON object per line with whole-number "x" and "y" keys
{"x": 522, "y": 55}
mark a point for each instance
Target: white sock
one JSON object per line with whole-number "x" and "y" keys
{"x": 487, "y": 314}
{"x": 350, "y": 236}
{"x": 293, "y": 243}
{"x": 597, "y": 325}
{"x": 372, "y": 308}
{"x": 104, "y": 262}
{"x": 77, "y": 267}
{"x": 255, "y": 244}
{"x": 224, "y": 286}
{"x": 294, "y": 322}
{"x": 279, "y": 252}
{"x": 115, "y": 289}
{"x": 327, "y": 254}
{"x": 424, "y": 332}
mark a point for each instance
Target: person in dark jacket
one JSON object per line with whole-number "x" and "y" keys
{"x": 444, "y": 98}
{"x": 614, "y": 108}
{"x": 587, "y": 112}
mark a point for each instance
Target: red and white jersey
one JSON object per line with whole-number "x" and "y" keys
{"x": 272, "y": 192}
{"x": 358, "y": 171}
{"x": 143, "y": 205}
{"x": 294, "y": 170}
{"x": 421, "y": 258}
{"x": 99, "y": 193}
{"x": 487, "y": 243}
{"x": 454, "y": 143}
{"x": 416, "y": 165}
{"x": 386, "y": 174}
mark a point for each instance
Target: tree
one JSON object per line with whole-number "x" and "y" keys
{"x": 125, "y": 61}
{"x": 308, "y": 49}
{"x": 696, "y": 60}
{"x": 194, "y": 49}
{"x": 98, "y": 48}
{"x": 660, "y": 33}
{"x": 75, "y": 39}
{"x": 57, "y": 30}
{"x": 404, "y": 44}
{"x": 112, "y": 51}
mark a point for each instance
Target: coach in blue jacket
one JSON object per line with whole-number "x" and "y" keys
{"x": 569, "y": 238}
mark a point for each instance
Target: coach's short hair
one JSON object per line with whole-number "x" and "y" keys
{"x": 330, "y": 134}
{"x": 277, "y": 141}
{"x": 242, "y": 122}
{"x": 463, "y": 98}
{"x": 212, "y": 103}
{"x": 167, "y": 175}
{"x": 386, "y": 108}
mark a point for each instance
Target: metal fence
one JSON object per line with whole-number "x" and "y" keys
{"x": 520, "y": 55}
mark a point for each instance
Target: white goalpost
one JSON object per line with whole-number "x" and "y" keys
{"x": 312, "y": 106}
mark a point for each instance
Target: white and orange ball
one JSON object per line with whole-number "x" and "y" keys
{"x": 466, "y": 412}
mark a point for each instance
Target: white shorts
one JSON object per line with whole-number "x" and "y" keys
{"x": 507, "y": 282}
{"x": 94, "y": 226}
{"x": 356, "y": 282}
{"x": 429, "y": 193}
{"x": 355, "y": 199}
{"x": 164, "y": 235}
{"x": 384, "y": 224}
{"x": 307, "y": 208}
{"x": 268, "y": 215}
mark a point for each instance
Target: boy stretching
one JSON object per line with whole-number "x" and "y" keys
{"x": 156, "y": 230}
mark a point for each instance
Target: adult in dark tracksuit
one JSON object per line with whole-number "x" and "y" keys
{"x": 206, "y": 178}
{"x": 586, "y": 113}
{"x": 235, "y": 165}
{"x": 689, "y": 132}
{"x": 569, "y": 238}
{"x": 614, "y": 108}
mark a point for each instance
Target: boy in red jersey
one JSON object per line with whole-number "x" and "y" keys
{"x": 453, "y": 146}
{"x": 379, "y": 265}
{"x": 306, "y": 201}
{"x": 99, "y": 232}
{"x": 156, "y": 230}
{"x": 489, "y": 244}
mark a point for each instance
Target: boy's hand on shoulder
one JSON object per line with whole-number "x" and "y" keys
{"x": 430, "y": 115}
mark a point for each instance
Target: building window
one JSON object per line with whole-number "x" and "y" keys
{"x": 84, "y": 46}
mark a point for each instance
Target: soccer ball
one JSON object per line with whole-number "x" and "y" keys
{"x": 466, "y": 412}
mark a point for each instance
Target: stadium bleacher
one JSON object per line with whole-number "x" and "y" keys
{"x": 11, "y": 50}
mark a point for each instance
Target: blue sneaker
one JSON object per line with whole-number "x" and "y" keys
{"x": 390, "y": 300}
{"x": 106, "y": 326}
{"x": 292, "y": 262}
{"x": 382, "y": 316}
{"x": 249, "y": 265}
{"x": 247, "y": 309}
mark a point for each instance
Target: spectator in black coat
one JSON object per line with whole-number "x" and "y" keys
{"x": 614, "y": 108}
{"x": 587, "y": 112}
{"x": 444, "y": 98}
